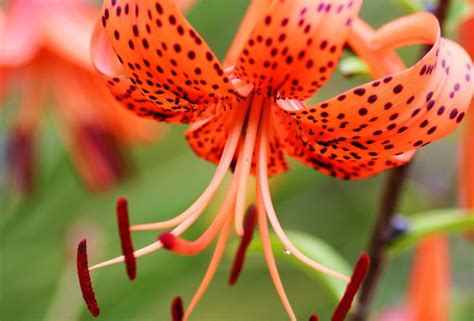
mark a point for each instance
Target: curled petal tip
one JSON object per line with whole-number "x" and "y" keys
{"x": 177, "y": 310}
{"x": 250, "y": 221}
{"x": 358, "y": 275}
{"x": 126, "y": 238}
{"x": 85, "y": 279}
{"x": 167, "y": 239}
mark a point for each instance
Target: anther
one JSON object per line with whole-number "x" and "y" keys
{"x": 313, "y": 317}
{"x": 249, "y": 228}
{"x": 358, "y": 276}
{"x": 168, "y": 240}
{"x": 85, "y": 279}
{"x": 125, "y": 238}
{"x": 177, "y": 310}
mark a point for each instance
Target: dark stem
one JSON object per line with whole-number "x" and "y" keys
{"x": 388, "y": 208}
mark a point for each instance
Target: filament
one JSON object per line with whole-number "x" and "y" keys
{"x": 211, "y": 270}
{"x": 226, "y": 159}
{"x": 263, "y": 187}
{"x": 247, "y": 156}
{"x": 267, "y": 251}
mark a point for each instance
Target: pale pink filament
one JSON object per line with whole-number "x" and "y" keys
{"x": 247, "y": 156}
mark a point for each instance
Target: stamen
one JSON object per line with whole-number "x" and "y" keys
{"x": 126, "y": 238}
{"x": 250, "y": 221}
{"x": 262, "y": 186}
{"x": 358, "y": 276}
{"x": 177, "y": 310}
{"x": 313, "y": 317}
{"x": 168, "y": 240}
{"x": 267, "y": 251}
{"x": 226, "y": 159}
{"x": 85, "y": 279}
{"x": 247, "y": 155}
{"x": 184, "y": 247}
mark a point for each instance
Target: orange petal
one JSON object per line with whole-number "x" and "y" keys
{"x": 163, "y": 105}
{"x": 429, "y": 292}
{"x": 208, "y": 137}
{"x": 277, "y": 162}
{"x": 296, "y": 46}
{"x": 466, "y": 170}
{"x": 162, "y": 54}
{"x": 393, "y": 115}
{"x": 255, "y": 10}
{"x": 466, "y": 34}
{"x": 343, "y": 169}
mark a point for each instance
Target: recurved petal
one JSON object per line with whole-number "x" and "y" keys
{"x": 160, "y": 104}
{"x": 162, "y": 53}
{"x": 396, "y": 114}
{"x": 296, "y": 46}
{"x": 343, "y": 169}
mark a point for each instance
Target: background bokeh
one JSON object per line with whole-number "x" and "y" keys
{"x": 38, "y": 235}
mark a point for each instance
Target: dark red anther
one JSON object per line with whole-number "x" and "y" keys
{"x": 177, "y": 310}
{"x": 358, "y": 276}
{"x": 126, "y": 238}
{"x": 313, "y": 317}
{"x": 85, "y": 279}
{"x": 167, "y": 239}
{"x": 249, "y": 228}
{"x": 102, "y": 156}
{"x": 21, "y": 158}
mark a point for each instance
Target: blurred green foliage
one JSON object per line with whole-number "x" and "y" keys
{"x": 38, "y": 235}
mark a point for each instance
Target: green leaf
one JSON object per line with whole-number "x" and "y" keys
{"x": 353, "y": 66}
{"x": 411, "y": 6}
{"x": 315, "y": 249}
{"x": 445, "y": 221}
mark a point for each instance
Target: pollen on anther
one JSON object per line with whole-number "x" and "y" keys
{"x": 239, "y": 260}
{"x": 177, "y": 310}
{"x": 358, "y": 276}
{"x": 167, "y": 239}
{"x": 125, "y": 238}
{"x": 85, "y": 279}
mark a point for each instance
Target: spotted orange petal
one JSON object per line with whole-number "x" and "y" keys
{"x": 396, "y": 114}
{"x": 161, "y": 53}
{"x": 295, "y": 47}
{"x": 208, "y": 137}
{"x": 162, "y": 107}
{"x": 343, "y": 169}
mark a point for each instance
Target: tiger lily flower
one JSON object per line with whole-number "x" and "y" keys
{"x": 428, "y": 296}
{"x": 466, "y": 170}
{"x": 45, "y": 52}
{"x": 248, "y": 115}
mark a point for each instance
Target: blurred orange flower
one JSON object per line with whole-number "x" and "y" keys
{"x": 466, "y": 168}
{"x": 429, "y": 290}
{"x": 247, "y": 116}
{"x": 44, "y": 53}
